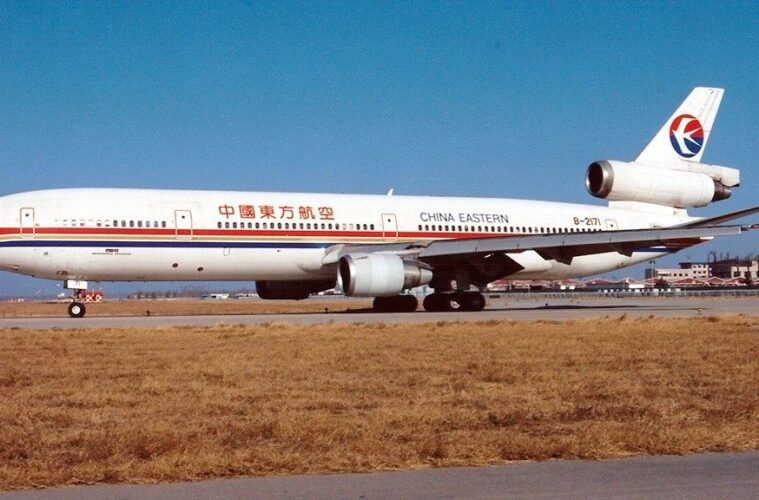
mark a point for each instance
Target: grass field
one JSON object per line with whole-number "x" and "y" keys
{"x": 148, "y": 405}
{"x": 184, "y": 307}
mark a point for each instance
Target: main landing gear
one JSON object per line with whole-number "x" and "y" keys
{"x": 454, "y": 301}
{"x": 436, "y": 302}
{"x": 398, "y": 303}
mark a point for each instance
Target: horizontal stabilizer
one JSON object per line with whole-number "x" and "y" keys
{"x": 713, "y": 221}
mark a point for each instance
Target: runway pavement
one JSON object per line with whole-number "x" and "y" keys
{"x": 710, "y": 475}
{"x": 498, "y": 309}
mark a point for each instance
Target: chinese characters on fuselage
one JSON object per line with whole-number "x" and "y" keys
{"x": 282, "y": 212}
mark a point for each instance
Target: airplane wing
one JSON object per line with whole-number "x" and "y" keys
{"x": 564, "y": 247}
{"x": 561, "y": 247}
{"x": 488, "y": 259}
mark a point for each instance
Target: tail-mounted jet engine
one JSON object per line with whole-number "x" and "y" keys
{"x": 681, "y": 186}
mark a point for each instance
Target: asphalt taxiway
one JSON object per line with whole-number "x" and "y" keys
{"x": 499, "y": 308}
{"x": 709, "y": 475}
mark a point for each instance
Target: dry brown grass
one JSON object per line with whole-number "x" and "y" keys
{"x": 173, "y": 404}
{"x": 184, "y": 307}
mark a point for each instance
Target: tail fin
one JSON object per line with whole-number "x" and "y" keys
{"x": 683, "y": 137}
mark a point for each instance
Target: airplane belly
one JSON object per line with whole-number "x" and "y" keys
{"x": 169, "y": 264}
{"x": 20, "y": 260}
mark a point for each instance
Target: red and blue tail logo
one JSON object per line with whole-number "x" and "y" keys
{"x": 686, "y": 135}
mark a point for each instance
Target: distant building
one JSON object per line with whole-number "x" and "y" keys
{"x": 686, "y": 271}
{"x": 736, "y": 268}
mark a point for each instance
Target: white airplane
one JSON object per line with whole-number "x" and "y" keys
{"x": 296, "y": 244}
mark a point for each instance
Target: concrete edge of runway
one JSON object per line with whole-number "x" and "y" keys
{"x": 707, "y": 475}
{"x": 557, "y": 310}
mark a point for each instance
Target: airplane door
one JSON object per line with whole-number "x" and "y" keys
{"x": 611, "y": 225}
{"x": 183, "y": 224}
{"x": 389, "y": 227}
{"x": 26, "y": 222}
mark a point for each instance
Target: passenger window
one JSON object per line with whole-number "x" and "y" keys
{"x": 218, "y": 224}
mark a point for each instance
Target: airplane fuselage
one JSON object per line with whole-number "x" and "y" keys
{"x": 145, "y": 235}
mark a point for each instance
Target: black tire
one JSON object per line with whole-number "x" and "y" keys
{"x": 473, "y": 301}
{"x": 438, "y": 302}
{"x": 407, "y": 303}
{"x": 399, "y": 303}
{"x": 380, "y": 304}
{"x": 77, "y": 310}
{"x": 431, "y": 303}
{"x": 456, "y": 301}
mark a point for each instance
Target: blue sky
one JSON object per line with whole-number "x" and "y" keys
{"x": 446, "y": 98}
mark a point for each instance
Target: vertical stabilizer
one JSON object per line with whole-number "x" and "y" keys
{"x": 683, "y": 137}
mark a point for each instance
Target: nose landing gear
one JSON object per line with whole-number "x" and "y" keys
{"x": 77, "y": 310}
{"x": 80, "y": 297}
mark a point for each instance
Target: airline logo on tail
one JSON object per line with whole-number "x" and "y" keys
{"x": 686, "y": 135}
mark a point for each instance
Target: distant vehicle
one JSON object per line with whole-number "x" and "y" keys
{"x": 295, "y": 244}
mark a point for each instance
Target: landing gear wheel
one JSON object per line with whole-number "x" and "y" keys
{"x": 77, "y": 310}
{"x": 399, "y": 303}
{"x": 408, "y": 303}
{"x": 472, "y": 301}
{"x": 437, "y": 302}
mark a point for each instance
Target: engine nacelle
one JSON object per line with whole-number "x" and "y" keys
{"x": 291, "y": 290}
{"x": 378, "y": 275}
{"x": 620, "y": 181}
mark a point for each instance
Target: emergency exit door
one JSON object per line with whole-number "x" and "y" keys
{"x": 389, "y": 227}
{"x": 27, "y": 222}
{"x": 183, "y": 224}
